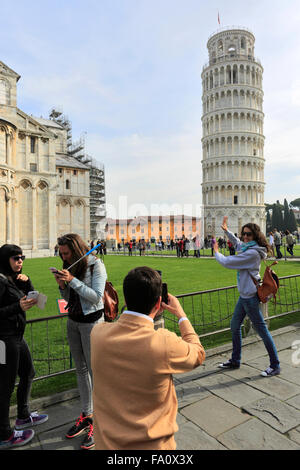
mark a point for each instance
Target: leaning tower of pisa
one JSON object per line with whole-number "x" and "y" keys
{"x": 233, "y": 140}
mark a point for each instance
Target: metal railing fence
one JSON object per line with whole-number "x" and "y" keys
{"x": 209, "y": 311}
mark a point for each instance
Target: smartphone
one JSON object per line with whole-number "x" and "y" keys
{"x": 54, "y": 270}
{"x": 164, "y": 295}
{"x": 33, "y": 294}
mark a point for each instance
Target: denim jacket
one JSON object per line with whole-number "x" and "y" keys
{"x": 91, "y": 288}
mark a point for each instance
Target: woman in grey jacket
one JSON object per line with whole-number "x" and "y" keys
{"x": 83, "y": 288}
{"x": 250, "y": 252}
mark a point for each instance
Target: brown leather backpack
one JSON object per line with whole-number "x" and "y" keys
{"x": 111, "y": 302}
{"x": 269, "y": 286}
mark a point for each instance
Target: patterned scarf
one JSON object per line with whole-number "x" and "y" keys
{"x": 244, "y": 248}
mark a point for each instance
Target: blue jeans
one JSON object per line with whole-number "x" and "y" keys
{"x": 251, "y": 308}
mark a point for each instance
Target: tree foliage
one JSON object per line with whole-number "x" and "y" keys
{"x": 281, "y": 216}
{"x": 295, "y": 203}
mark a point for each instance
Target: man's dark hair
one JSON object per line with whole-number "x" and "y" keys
{"x": 142, "y": 287}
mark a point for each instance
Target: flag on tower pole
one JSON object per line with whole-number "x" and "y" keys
{"x": 219, "y": 18}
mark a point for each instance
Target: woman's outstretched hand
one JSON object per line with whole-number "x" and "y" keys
{"x": 224, "y": 224}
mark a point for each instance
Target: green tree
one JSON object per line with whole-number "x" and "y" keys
{"x": 277, "y": 219}
{"x": 295, "y": 203}
{"x": 286, "y": 215}
{"x": 292, "y": 221}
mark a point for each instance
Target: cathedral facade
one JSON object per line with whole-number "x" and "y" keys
{"x": 43, "y": 191}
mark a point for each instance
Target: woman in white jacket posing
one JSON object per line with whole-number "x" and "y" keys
{"x": 250, "y": 252}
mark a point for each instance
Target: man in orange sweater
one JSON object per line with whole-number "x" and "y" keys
{"x": 135, "y": 404}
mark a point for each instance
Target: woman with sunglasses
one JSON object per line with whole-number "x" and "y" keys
{"x": 83, "y": 288}
{"x": 15, "y": 358}
{"x": 250, "y": 252}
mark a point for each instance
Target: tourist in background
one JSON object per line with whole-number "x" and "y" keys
{"x": 277, "y": 243}
{"x": 289, "y": 242}
{"x": 271, "y": 242}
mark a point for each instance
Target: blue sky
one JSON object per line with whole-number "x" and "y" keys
{"x": 128, "y": 73}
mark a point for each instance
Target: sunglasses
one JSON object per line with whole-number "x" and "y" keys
{"x": 17, "y": 257}
{"x": 248, "y": 234}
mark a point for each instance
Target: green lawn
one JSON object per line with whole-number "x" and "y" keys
{"x": 183, "y": 275}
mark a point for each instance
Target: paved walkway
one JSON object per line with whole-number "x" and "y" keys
{"x": 218, "y": 409}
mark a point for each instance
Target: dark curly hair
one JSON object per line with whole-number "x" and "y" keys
{"x": 258, "y": 236}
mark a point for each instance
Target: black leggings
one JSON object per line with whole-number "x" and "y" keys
{"x": 16, "y": 361}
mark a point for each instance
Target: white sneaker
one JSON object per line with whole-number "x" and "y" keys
{"x": 269, "y": 372}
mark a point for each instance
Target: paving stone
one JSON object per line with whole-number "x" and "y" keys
{"x": 180, "y": 419}
{"x": 231, "y": 390}
{"x": 189, "y": 376}
{"x": 189, "y": 393}
{"x": 214, "y": 415}
{"x": 288, "y": 371}
{"x": 275, "y": 413}
{"x": 273, "y": 386}
{"x": 255, "y": 435}
{"x": 294, "y": 435}
{"x": 286, "y": 340}
{"x": 286, "y": 357}
{"x": 252, "y": 351}
{"x": 295, "y": 402}
{"x": 191, "y": 437}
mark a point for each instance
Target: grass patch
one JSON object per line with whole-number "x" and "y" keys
{"x": 183, "y": 275}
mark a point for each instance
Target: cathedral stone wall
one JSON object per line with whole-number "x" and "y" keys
{"x": 35, "y": 205}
